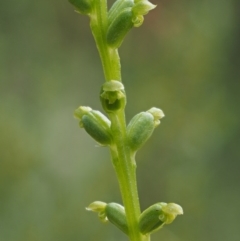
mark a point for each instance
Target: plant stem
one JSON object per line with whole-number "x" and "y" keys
{"x": 109, "y": 57}
{"x": 125, "y": 168}
{"x": 122, "y": 159}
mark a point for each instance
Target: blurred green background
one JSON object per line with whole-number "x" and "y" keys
{"x": 184, "y": 59}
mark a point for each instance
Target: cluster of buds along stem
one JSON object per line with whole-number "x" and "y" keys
{"x": 150, "y": 220}
{"x": 119, "y": 20}
{"x": 113, "y": 99}
{"x": 122, "y": 17}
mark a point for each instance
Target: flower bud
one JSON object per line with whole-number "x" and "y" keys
{"x": 119, "y": 27}
{"x": 98, "y": 207}
{"x": 154, "y": 217}
{"x": 116, "y": 215}
{"x": 157, "y": 115}
{"x": 141, "y": 127}
{"x": 112, "y": 96}
{"x": 138, "y": 20}
{"x": 170, "y": 211}
{"x": 149, "y": 219}
{"x": 112, "y": 212}
{"x": 117, "y": 7}
{"x": 95, "y": 123}
{"x": 142, "y": 7}
{"x": 83, "y": 6}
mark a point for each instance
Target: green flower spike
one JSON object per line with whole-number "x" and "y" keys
{"x": 113, "y": 96}
{"x": 119, "y": 28}
{"x": 95, "y": 123}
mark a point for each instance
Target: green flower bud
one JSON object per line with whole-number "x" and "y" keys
{"x": 98, "y": 207}
{"x": 141, "y": 127}
{"x": 142, "y": 7}
{"x": 117, "y": 7}
{"x": 116, "y": 215}
{"x": 170, "y": 211}
{"x": 138, "y": 21}
{"x": 119, "y": 27}
{"x": 149, "y": 219}
{"x": 83, "y": 6}
{"x": 113, "y": 96}
{"x": 95, "y": 123}
{"x": 112, "y": 212}
{"x": 154, "y": 217}
{"x": 157, "y": 115}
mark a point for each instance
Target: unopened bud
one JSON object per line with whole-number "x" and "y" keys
{"x": 95, "y": 123}
{"x": 98, "y": 207}
{"x": 119, "y": 27}
{"x": 143, "y": 7}
{"x": 112, "y": 96}
{"x": 154, "y": 217}
{"x": 112, "y": 212}
{"x": 141, "y": 127}
{"x": 116, "y": 215}
{"x": 83, "y": 6}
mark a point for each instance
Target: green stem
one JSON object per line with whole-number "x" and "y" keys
{"x": 122, "y": 159}
{"x": 109, "y": 56}
{"x": 125, "y": 168}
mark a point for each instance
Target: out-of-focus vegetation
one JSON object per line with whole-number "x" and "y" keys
{"x": 185, "y": 59}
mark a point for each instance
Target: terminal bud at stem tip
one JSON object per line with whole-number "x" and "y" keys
{"x": 113, "y": 96}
